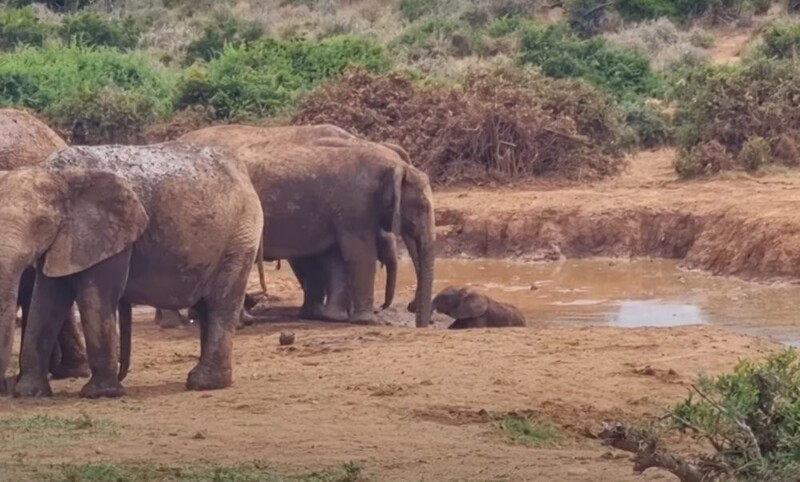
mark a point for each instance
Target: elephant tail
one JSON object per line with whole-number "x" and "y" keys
{"x": 260, "y": 264}
{"x": 125, "y": 321}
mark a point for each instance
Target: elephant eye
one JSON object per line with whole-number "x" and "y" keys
{"x": 42, "y": 226}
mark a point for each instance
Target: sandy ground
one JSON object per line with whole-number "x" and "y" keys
{"x": 424, "y": 404}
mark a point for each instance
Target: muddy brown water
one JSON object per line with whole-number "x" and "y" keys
{"x": 621, "y": 293}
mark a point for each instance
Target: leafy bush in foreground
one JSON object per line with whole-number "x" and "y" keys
{"x": 723, "y": 108}
{"x": 82, "y": 88}
{"x": 749, "y": 419}
{"x": 497, "y": 125}
{"x": 560, "y": 54}
{"x": 266, "y": 77}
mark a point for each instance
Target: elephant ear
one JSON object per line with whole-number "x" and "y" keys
{"x": 472, "y": 304}
{"x": 102, "y": 217}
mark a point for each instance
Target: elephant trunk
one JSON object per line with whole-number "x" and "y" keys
{"x": 125, "y": 328}
{"x": 10, "y": 274}
{"x": 425, "y": 251}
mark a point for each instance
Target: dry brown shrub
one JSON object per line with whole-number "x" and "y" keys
{"x": 499, "y": 125}
{"x": 704, "y": 159}
{"x": 180, "y": 123}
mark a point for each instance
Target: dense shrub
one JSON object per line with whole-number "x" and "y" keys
{"x": 651, "y": 128}
{"x": 731, "y": 105}
{"x": 498, "y": 124}
{"x": 266, "y": 77}
{"x": 80, "y": 88}
{"x": 20, "y": 26}
{"x": 414, "y": 9}
{"x": 781, "y": 41}
{"x": 665, "y": 45}
{"x": 93, "y": 31}
{"x": 588, "y": 17}
{"x": 560, "y": 54}
{"x": 439, "y": 36}
{"x": 220, "y": 32}
{"x": 58, "y": 5}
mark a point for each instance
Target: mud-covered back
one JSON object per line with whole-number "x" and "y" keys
{"x": 146, "y": 167}
{"x": 25, "y": 140}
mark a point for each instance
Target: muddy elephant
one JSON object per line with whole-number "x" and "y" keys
{"x": 472, "y": 309}
{"x": 27, "y": 141}
{"x": 323, "y": 278}
{"x": 331, "y": 192}
{"x": 112, "y": 226}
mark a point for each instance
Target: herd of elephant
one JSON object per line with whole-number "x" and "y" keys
{"x": 180, "y": 224}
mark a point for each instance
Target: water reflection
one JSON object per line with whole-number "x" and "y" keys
{"x": 633, "y": 314}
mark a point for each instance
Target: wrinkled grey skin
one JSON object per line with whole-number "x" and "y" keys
{"x": 111, "y": 226}
{"x": 337, "y": 192}
{"x": 68, "y": 359}
{"x": 324, "y": 281}
{"x": 26, "y": 141}
{"x": 475, "y": 310}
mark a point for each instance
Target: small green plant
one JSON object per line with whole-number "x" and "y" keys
{"x": 93, "y": 31}
{"x": 750, "y": 419}
{"x": 560, "y": 54}
{"x": 220, "y": 32}
{"x": 20, "y": 26}
{"x": 503, "y": 26}
{"x": 532, "y": 430}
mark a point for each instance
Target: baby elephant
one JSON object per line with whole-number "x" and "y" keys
{"x": 474, "y": 310}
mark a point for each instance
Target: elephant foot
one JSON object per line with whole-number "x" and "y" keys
{"x": 364, "y": 318}
{"x": 64, "y": 371}
{"x": 30, "y": 386}
{"x": 314, "y": 313}
{"x": 3, "y": 386}
{"x": 204, "y": 378}
{"x": 105, "y": 386}
{"x": 413, "y": 305}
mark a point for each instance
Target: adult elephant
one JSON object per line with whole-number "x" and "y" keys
{"x": 27, "y": 141}
{"x": 335, "y": 191}
{"x": 112, "y": 226}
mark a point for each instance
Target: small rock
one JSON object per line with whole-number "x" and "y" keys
{"x": 286, "y": 338}
{"x": 199, "y": 436}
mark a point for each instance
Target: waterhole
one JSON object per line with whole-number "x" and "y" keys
{"x": 636, "y": 293}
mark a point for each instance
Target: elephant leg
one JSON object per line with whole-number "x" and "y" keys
{"x": 51, "y": 303}
{"x": 99, "y": 291}
{"x": 337, "y": 305}
{"x": 360, "y": 257}
{"x": 309, "y": 274}
{"x": 220, "y": 315}
{"x": 73, "y": 362}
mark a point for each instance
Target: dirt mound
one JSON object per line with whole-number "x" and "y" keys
{"x": 499, "y": 125}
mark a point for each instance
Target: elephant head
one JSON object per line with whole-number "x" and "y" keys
{"x": 460, "y": 303}
{"x": 417, "y": 227}
{"x": 65, "y": 221}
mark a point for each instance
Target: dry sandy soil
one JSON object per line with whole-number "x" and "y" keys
{"x": 414, "y": 404}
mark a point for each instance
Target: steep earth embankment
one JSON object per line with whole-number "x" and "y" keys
{"x": 739, "y": 225}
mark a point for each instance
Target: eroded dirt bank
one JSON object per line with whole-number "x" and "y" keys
{"x": 736, "y": 226}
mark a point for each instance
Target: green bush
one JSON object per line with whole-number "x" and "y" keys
{"x": 638, "y": 10}
{"x": 222, "y": 31}
{"x": 79, "y": 87}
{"x": 503, "y": 26}
{"x": 730, "y": 105}
{"x": 560, "y": 54}
{"x": 651, "y": 128}
{"x": 781, "y": 41}
{"x": 412, "y": 10}
{"x": 266, "y": 77}
{"x": 93, "y": 31}
{"x": 57, "y": 5}
{"x": 20, "y": 26}
{"x": 439, "y": 36}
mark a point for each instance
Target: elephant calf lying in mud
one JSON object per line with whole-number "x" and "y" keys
{"x": 475, "y": 310}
